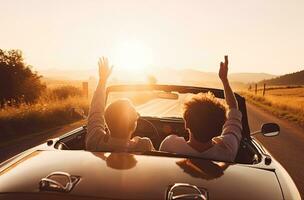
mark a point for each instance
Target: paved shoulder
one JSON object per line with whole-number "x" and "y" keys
{"x": 36, "y": 139}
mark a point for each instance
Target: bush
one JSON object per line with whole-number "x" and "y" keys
{"x": 151, "y": 80}
{"x": 65, "y": 92}
{"x": 27, "y": 119}
{"x": 17, "y": 81}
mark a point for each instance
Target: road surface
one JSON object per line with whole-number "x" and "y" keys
{"x": 287, "y": 148}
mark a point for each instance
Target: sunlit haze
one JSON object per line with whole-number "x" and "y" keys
{"x": 259, "y": 36}
{"x": 131, "y": 55}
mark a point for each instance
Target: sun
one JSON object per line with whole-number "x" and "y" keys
{"x": 132, "y": 56}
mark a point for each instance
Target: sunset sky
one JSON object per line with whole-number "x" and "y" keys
{"x": 259, "y": 36}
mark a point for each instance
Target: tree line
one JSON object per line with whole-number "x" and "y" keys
{"x": 18, "y": 82}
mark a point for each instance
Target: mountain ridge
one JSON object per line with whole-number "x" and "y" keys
{"x": 163, "y": 75}
{"x": 295, "y": 78}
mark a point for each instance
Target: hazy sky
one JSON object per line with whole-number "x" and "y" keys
{"x": 259, "y": 36}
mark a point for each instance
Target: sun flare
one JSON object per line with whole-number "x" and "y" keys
{"x": 132, "y": 55}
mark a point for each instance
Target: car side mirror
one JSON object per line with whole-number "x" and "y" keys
{"x": 270, "y": 129}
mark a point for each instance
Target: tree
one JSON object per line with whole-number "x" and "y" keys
{"x": 152, "y": 80}
{"x": 18, "y": 82}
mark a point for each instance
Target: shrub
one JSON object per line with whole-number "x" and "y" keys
{"x": 17, "y": 81}
{"x": 30, "y": 118}
{"x": 65, "y": 92}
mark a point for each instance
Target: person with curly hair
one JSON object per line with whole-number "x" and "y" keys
{"x": 214, "y": 128}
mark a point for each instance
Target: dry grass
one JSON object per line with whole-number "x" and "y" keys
{"x": 16, "y": 121}
{"x": 287, "y": 103}
{"x": 52, "y": 110}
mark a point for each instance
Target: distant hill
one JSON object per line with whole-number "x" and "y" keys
{"x": 296, "y": 78}
{"x": 250, "y": 77}
{"x": 163, "y": 76}
{"x": 187, "y": 75}
{"x": 207, "y": 79}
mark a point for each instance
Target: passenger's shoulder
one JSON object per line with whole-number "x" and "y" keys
{"x": 171, "y": 141}
{"x": 173, "y": 138}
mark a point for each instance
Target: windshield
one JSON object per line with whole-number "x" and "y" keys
{"x": 154, "y": 103}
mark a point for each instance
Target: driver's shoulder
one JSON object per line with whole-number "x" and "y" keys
{"x": 144, "y": 142}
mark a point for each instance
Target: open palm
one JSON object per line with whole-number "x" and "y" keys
{"x": 104, "y": 69}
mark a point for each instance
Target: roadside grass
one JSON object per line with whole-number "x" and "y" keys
{"x": 21, "y": 120}
{"x": 287, "y": 103}
{"x": 54, "y": 109}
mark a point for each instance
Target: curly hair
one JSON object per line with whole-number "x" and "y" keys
{"x": 204, "y": 116}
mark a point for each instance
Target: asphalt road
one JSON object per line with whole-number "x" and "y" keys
{"x": 287, "y": 147}
{"x": 10, "y": 150}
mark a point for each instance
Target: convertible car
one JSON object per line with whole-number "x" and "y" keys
{"x": 61, "y": 168}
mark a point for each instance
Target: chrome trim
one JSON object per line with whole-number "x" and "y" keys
{"x": 201, "y": 194}
{"x": 48, "y": 184}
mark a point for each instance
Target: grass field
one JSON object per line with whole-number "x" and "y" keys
{"x": 53, "y": 109}
{"x": 27, "y": 119}
{"x": 59, "y": 105}
{"x": 285, "y": 102}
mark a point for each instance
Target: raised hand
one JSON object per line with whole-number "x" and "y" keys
{"x": 223, "y": 72}
{"x": 229, "y": 95}
{"x": 104, "y": 69}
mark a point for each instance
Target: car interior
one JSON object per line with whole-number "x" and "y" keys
{"x": 158, "y": 128}
{"x": 247, "y": 154}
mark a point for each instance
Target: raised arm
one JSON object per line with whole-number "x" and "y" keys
{"x": 229, "y": 95}
{"x": 96, "y": 123}
{"x": 231, "y": 135}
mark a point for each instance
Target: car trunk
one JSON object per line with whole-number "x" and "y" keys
{"x": 129, "y": 176}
